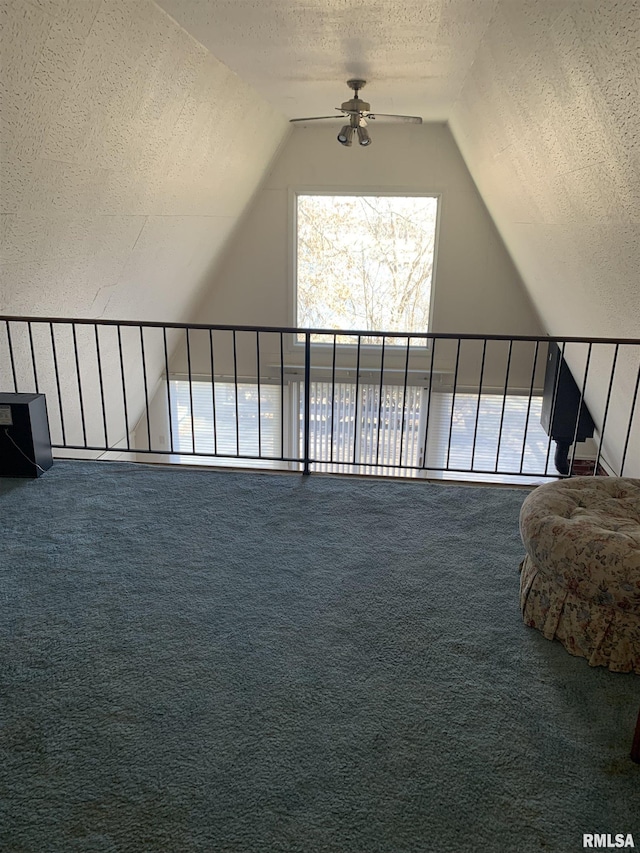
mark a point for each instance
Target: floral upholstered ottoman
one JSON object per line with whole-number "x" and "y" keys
{"x": 580, "y": 580}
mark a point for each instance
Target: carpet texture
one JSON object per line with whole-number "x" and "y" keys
{"x": 219, "y": 661}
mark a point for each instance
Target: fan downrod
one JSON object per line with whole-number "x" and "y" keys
{"x": 356, "y": 85}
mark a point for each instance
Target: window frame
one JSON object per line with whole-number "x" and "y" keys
{"x": 293, "y": 193}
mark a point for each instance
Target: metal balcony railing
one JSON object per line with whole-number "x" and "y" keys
{"x": 484, "y": 407}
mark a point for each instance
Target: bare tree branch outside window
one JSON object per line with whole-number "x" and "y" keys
{"x": 365, "y": 262}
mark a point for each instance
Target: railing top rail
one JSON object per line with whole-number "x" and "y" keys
{"x": 291, "y": 330}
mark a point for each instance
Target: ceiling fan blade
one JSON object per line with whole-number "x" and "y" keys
{"x": 409, "y": 119}
{"x": 314, "y": 118}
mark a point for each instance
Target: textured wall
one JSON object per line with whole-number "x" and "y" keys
{"x": 549, "y": 124}
{"x": 476, "y": 286}
{"x": 129, "y": 153}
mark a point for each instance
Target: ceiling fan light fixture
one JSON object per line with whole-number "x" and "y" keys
{"x": 363, "y": 136}
{"x": 358, "y": 111}
{"x": 345, "y": 136}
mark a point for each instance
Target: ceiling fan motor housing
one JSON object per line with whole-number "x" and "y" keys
{"x": 355, "y": 105}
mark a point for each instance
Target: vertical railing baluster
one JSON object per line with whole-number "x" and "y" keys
{"x": 554, "y": 396}
{"x": 169, "y": 402}
{"x": 281, "y": 397}
{"x": 190, "y": 380}
{"x": 629, "y": 430}
{"x": 333, "y": 396}
{"x": 426, "y": 425}
{"x": 526, "y": 423}
{"x": 146, "y": 388}
{"x": 606, "y": 411}
{"x": 307, "y": 401}
{"x": 580, "y": 407}
{"x": 213, "y": 392}
{"x": 235, "y": 385}
{"x": 80, "y": 395}
{"x": 11, "y": 357}
{"x": 54, "y": 353}
{"x": 453, "y": 403}
{"x": 343, "y": 454}
{"x": 504, "y": 405}
{"x": 380, "y": 402}
{"x": 404, "y": 398}
{"x": 33, "y": 357}
{"x": 258, "y": 384}
{"x": 355, "y": 416}
{"x": 475, "y": 429}
{"x": 124, "y": 389}
{"x": 101, "y": 382}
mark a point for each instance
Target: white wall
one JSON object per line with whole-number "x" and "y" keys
{"x": 128, "y": 156}
{"x": 476, "y": 287}
{"x": 549, "y": 125}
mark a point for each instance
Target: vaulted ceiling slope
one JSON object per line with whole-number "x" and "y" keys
{"x": 128, "y": 154}
{"x": 130, "y": 149}
{"x": 542, "y": 98}
{"x": 548, "y": 121}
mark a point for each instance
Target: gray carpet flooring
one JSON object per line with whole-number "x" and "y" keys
{"x": 219, "y": 661}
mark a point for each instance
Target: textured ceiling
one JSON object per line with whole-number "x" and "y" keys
{"x": 542, "y": 97}
{"x": 414, "y": 54}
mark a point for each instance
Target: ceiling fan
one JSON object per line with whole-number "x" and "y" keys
{"x": 358, "y": 112}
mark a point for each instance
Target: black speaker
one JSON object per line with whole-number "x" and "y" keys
{"x": 25, "y": 443}
{"x": 560, "y": 406}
